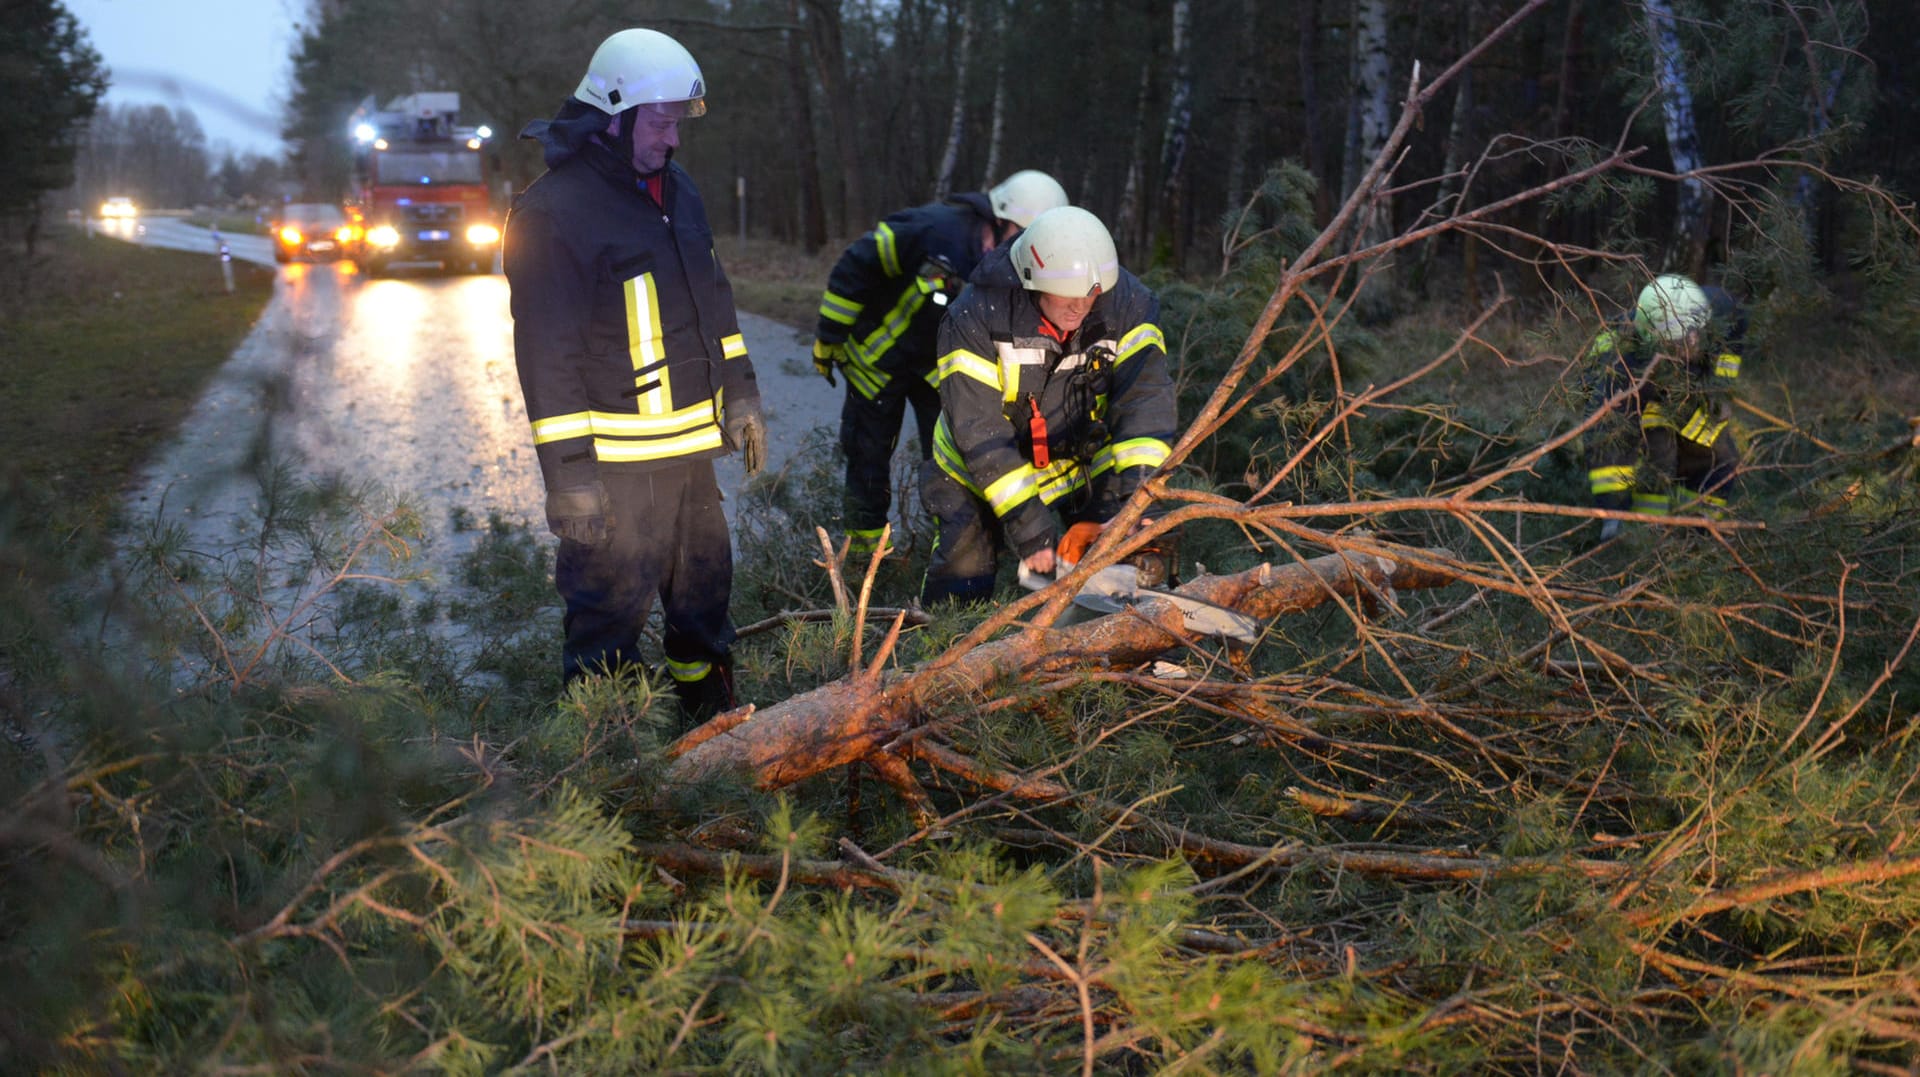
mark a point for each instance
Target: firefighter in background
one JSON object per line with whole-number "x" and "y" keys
{"x": 1054, "y": 396}
{"x": 878, "y": 318}
{"x": 633, "y": 368}
{"x": 1682, "y": 344}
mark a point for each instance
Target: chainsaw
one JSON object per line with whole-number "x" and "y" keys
{"x": 1120, "y": 586}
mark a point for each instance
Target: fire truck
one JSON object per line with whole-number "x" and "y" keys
{"x": 421, "y": 188}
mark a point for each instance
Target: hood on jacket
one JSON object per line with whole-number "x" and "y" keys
{"x": 563, "y": 137}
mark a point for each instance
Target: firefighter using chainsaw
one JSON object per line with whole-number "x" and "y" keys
{"x": 882, "y": 306}
{"x": 1677, "y": 361}
{"x": 1054, "y": 398}
{"x": 634, "y": 370}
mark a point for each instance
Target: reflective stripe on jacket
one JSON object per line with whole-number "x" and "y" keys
{"x": 881, "y": 299}
{"x": 624, "y": 328}
{"x": 996, "y": 366}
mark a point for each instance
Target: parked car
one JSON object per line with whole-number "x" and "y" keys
{"x": 119, "y": 207}
{"x": 314, "y": 230}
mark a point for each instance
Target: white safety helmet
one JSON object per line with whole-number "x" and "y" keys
{"x": 643, "y": 67}
{"x": 1671, "y": 307}
{"x": 1025, "y": 195}
{"x": 1067, "y": 252}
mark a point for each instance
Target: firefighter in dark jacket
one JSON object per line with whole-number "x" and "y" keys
{"x": 1054, "y": 396}
{"x": 633, "y": 368}
{"x": 1681, "y": 348}
{"x": 878, "y": 318}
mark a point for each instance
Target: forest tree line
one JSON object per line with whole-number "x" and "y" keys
{"x": 1163, "y": 116}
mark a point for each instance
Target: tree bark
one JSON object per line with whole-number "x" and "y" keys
{"x": 1689, "y": 251}
{"x": 957, "y": 124}
{"x": 813, "y": 215}
{"x": 830, "y": 60}
{"x": 998, "y": 129}
{"x": 1246, "y": 84}
{"x": 1127, "y": 223}
{"x": 859, "y": 715}
{"x": 1173, "y": 141}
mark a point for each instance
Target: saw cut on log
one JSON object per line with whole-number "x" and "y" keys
{"x": 856, "y": 717}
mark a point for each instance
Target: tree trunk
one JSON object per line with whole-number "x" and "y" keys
{"x": 1247, "y": 84}
{"x": 1127, "y": 223}
{"x": 957, "y": 124}
{"x": 1173, "y": 141}
{"x": 813, "y": 217}
{"x": 859, "y": 715}
{"x": 1310, "y": 106}
{"x": 998, "y": 129}
{"x": 1459, "y": 131}
{"x": 830, "y": 61}
{"x": 1689, "y": 252}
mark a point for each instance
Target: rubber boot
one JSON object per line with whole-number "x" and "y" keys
{"x": 709, "y": 695}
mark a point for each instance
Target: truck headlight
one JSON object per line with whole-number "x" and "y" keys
{"x": 482, "y": 235}
{"x": 383, "y": 235}
{"x": 290, "y": 236}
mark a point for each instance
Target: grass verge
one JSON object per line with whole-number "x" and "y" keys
{"x": 110, "y": 345}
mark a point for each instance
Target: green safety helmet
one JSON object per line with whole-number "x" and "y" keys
{"x": 1670, "y": 308}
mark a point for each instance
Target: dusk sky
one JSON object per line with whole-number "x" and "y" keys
{"x": 226, "y": 60}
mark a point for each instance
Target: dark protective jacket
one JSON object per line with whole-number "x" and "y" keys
{"x": 1104, "y": 401}
{"x": 887, "y": 292}
{"x": 1693, "y": 397}
{"x": 624, "y": 330}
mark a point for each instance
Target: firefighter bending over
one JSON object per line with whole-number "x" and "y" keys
{"x": 879, "y": 315}
{"x": 633, "y": 368}
{"x": 1054, "y": 396}
{"x": 1684, "y": 340}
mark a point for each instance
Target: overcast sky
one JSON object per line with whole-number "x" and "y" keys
{"x": 227, "y": 60}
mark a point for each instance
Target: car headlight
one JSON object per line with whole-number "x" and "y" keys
{"x": 345, "y": 234}
{"x": 290, "y": 236}
{"x": 383, "y": 235}
{"x": 482, "y": 235}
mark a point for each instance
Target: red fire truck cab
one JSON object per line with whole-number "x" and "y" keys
{"x": 421, "y": 186}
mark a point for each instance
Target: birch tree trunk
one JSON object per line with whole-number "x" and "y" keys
{"x": 1126, "y": 225}
{"x": 813, "y": 217}
{"x": 956, "y": 125}
{"x": 830, "y": 61}
{"x": 1173, "y": 142}
{"x": 999, "y": 126}
{"x": 1373, "y": 68}
{"x": 1683, "y": 139}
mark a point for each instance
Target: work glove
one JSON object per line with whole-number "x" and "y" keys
{"x": 582, "y": 514}
{"x": 746, "y": 434}
{"x": 825, "y": 358}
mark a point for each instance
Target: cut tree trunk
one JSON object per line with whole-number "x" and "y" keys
{"x": 856, "y": 717}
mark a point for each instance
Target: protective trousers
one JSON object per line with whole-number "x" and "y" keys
{"x": 869, "y": 430}
{"x": 968, "y": 538}
{"x": 1638, "y": 473}
{"x": 669, "y": 537}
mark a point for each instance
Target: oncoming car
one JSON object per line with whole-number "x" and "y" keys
{"x": 314, "y": 230}
{"x": 119, "y": 207}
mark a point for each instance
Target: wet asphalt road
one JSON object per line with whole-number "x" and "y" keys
{"x": 407, "y": 382}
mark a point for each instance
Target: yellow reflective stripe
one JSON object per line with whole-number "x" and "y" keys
{"x": 657, "y": 448}
{"x": 1605, "y": 342}
{"x": 1060, "y": 479}
{"x": 933, "y": 377}
{"x": 838, "y": 308}
{"x": 645, "y": 342}
{"x": 1652, "y": 504}
{"x": 1726, "y": 366}
{"x": 1611, "y": 480}
{"x": 688, "y": 671}
{"x": 1012, "y": 490}
{"x": 1654, "y": 417}
{"x": 877, "y": 343}
{"x": 733, "y": 346}
{"x": 1701, "y": 429}
{"x": 620, "y": 424}
{"x": 561, "y": 427}
{"x": 889, "y": 249}
{"x": 973, "y": 365}
{"x": 1137, "y": 452}
{"x": 1142, "y": 336}
{"x": 866, "y": 379}
{"x": 947, "y": 454}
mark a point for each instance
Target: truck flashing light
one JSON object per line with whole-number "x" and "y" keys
{"x": 364, "y": 132}
{"x": 483, "y": 131}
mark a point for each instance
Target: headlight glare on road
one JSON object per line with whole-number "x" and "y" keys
{"x": 482, "y": 235}
{"x": 383, "y": 235}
